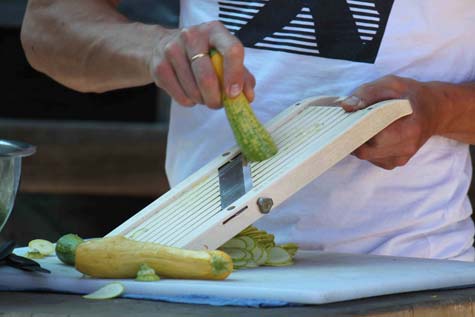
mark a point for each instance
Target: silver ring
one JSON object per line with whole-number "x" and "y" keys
{"x": 197, "y": 56}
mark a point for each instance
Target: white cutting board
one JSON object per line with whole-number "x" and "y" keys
{"x": 316, "y": 278}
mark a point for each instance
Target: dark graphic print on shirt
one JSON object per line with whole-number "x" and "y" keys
{"x": 339, "y": 29}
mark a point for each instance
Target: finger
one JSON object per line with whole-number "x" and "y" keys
{"x": 383, "y": 164}
{"x": 391, "y": 163}
{"x": 176, "y": 55}
{"x": 207, "y": 82}
{"x": 196, "y": 44}
{"x": 165, "y": 78}
{"x": 352, "y": 103}
{"x": 389, "y": 137}
{"x": 233, "y": 77}
{"x": 385, "y": 88}
{"x": 369, "y": 151}
{"x": 401, "y": 136}
{"x": 378, "y": 150}
{"x": 232, "y": 51}
{"x": 249, "y": 84}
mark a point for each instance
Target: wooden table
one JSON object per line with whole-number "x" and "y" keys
{"x": 448, "y": 303}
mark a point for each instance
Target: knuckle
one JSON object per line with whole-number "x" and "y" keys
{"x": 235, "y": 50}
{"x": 172, "y": 49}
{"x": 390, "y": 78}
{"x": 395, "y": 82}
{"x": 184, "y": 101}
{"x": 380, "y": 164}
{"x": 162, "y": 69}
{"x": 161, "y": 73}
{"x": 401, "y": 161}
{"x": 188, "y": 35}
{"x": 361, "y": 153}
{"x": 385, "y": 164}
{"x": 213, "y": 104}
{"x": 364, "y": 89}
{"x": 213, "y": 25}
{"x": 208, "y": 81}
{"x": 196, "y": 96}
{"x": 412, "y": 149}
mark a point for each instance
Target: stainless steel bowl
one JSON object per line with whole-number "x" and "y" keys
{"x": 11, "y": 153}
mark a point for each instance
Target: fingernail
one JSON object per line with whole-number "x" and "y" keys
{"x": 352, "y": 101}
{"x": 250, "y": 95}
{"x": 234, "y": 90}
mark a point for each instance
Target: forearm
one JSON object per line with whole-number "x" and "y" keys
{"x": 87, "y": 45}
{"x": 457, "y": 118}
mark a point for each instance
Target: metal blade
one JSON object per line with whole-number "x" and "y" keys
{"x": 234, "y": 180}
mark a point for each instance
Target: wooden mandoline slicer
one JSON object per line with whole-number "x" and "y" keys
{"x": 225, "y": 196}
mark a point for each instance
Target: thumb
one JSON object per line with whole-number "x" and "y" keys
{"x": 369, "y": 94}
{"x": 353, "y": 103}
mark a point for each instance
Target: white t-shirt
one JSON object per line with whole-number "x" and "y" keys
{"x": 298, "y": 49}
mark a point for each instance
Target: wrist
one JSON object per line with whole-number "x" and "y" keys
{"x": 455, "y": 105}
{"x": 441, "y": 105}
{"x": 142, "y": 49}
{"x": 161, "y": 37}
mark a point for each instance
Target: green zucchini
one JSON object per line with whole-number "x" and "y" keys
{"x": 254, "y": 140}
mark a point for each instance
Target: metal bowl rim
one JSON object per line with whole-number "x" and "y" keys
{"x": 18, "y": 148}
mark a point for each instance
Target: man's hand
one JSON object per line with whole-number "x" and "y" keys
{"x": 395, "y": 145}
{"x": 192, "y": 82}
{"x": 89, "y": 46}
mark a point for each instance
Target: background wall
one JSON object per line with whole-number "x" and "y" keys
{"x": 100, "y": 157}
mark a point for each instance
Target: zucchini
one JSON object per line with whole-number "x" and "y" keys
{"x": 108, "y": 291}
{"x": 253, "y": 247}
{"x": 146, "y": 274}
{"x": 66, "y": 247}
{"x": 119, "y": 257}
{"x": 254, "y": 140}
{"x": 41, "y": 246}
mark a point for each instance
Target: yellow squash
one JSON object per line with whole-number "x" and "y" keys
{"x": 119, "y": 257}
{"x": 253, "y": 139}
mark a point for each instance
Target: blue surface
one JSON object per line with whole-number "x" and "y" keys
{"x": 215, "y": 301}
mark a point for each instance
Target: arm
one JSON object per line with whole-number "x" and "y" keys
{"x": 89, "y": 46}
{"x": 438, "y": 109}
{"x": 82, "y": 43}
